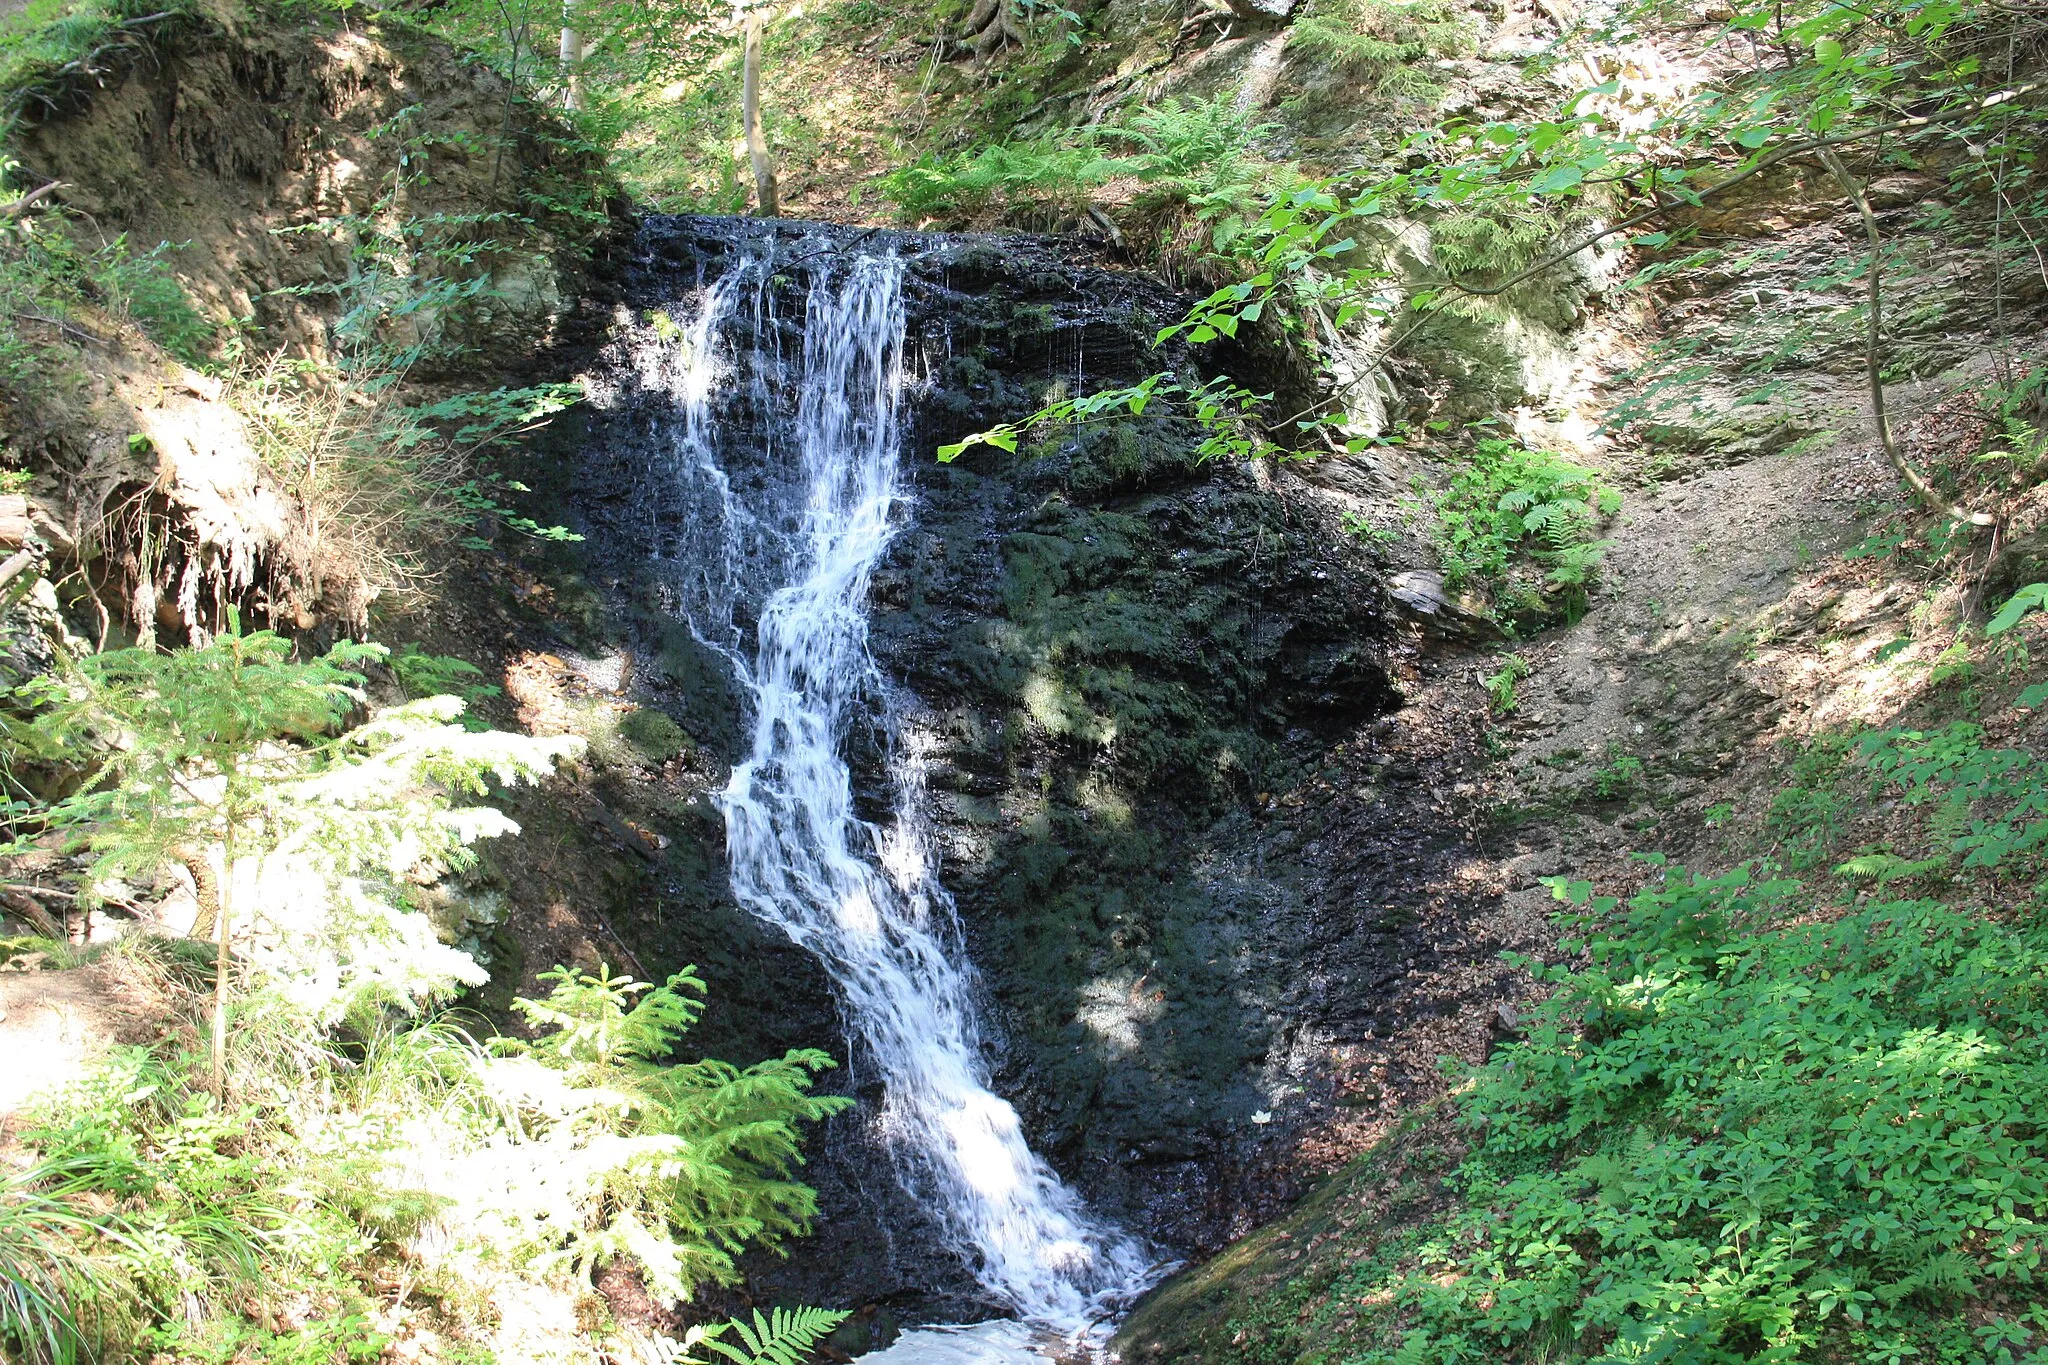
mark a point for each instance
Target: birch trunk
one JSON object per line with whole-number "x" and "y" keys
{"x": 572, "y": 61}
{"x": 767, "y": 202}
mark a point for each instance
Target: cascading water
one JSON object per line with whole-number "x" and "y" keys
{"x": 794, "y": 491}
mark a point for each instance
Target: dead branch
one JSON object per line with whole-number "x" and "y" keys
{"x": 9, "y": 212}
{"x": 21, "y": 903}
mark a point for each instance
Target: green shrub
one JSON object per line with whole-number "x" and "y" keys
{"x": 1203, "y": 155}
{"x": 1731, "y": 1137}
{"x": 439, "y": 675}
{"x": 1500, "y": 684}
{"x": 1622, "y": 775}
{"x": 1497, "y": 239}
{"x": 1200, "y": 155}
{"x": 1386, "y": 41}
{"x": 49, "y": 280}
{"x": 704, "y": 1148}
{"x": 142, "y": 287}
{"x": 1987, "y": 809}
{"x": 998, "y": 177}
{"x": 1760, "y": 1120}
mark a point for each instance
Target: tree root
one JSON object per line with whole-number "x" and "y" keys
{"x": 991, "y": 26}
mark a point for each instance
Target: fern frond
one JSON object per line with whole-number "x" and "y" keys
{"x": 785, "y": 1337}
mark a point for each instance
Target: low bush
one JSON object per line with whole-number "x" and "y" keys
{"x": 54, "y": 290}
{"x": 1188, "y": 157}
{"x": 1734, "y": 1138}
{"x": 999, "y": 178}
{"x": 1386, "y": 41}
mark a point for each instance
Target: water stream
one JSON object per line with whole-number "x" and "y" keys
{"x": 791, "y": 468}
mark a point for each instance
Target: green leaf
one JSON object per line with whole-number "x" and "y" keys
{"x": 2032, "y": 597}
{"x": 1002, "y": 438}
{"x": 1556, "y": 180}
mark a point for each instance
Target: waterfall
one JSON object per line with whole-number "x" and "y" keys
{"x": 794, "y": 489}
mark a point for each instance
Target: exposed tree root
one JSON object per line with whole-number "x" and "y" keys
{"x": 991, "y": 26}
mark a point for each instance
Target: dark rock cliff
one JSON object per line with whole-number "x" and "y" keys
{"x": 1126, "y": 668}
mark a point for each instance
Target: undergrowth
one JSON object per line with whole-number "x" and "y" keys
{"x": 1001, "y": 177}
{"x": 1196, "y": 159}
{"x": 49, "y": 49}
{"x": 250, "y": 1201}
{"x": 1522, "y": 525}
{"x": 1740, "y": 1134}
{"x": 1386, "y": 41}
{"x": 1774, "y": 1114}
{"x": 55, "y": 290}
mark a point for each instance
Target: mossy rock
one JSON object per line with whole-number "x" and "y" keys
{"x": 653, "y": 735}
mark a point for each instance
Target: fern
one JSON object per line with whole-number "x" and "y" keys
{"x": 1500, "y": 685}
{"x": 786, "y": 1337}
{"x": 1384, "y": 40}
{"x": 1510, "y": 506}
{"x": 1001, "y": 176}
{"x": 1733, "y": 1111}
{"x": 1197, "y": 154}
{"x": 702, "y": 1150}
{"x": 1497, "y": 239}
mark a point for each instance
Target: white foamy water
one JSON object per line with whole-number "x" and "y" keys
{"x": 985, "y": 1343}
{"x": 795, "y": 471}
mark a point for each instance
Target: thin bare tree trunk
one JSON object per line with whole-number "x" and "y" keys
{"x": 767, "y": 201}
{"x": 1872, "y": 342}
{"x": 205, "y": 894}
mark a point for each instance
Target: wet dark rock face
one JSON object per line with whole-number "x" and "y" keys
{"x": 1119, "y": 654}
{"x": 1114, "y": 659}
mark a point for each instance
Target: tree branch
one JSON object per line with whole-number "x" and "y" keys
{"x": 14, "y": 210}
{"x": 1822, "y": 145}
